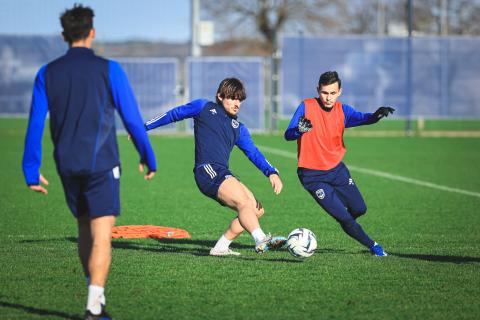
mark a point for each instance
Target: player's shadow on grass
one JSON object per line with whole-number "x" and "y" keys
{"x": 71, "y": 239}
{"x": 166, "y": 245}
{"x": 37, "y": 311}
{"x": 437, "y": 258}
{"x": 172, "y": 246}
{"x": 202, "y": 243}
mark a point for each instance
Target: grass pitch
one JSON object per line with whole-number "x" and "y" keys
{"x": 432, "y": 235}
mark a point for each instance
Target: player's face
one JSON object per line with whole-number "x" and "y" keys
{"x": 329, "y": 94}
{"x": 232, "y": 106}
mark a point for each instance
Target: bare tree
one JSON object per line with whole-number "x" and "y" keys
{"x": 268, "y": 18}
{"x": 461, "y": 16}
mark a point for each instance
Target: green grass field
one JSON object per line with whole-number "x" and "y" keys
{"x": 431, "y": 233}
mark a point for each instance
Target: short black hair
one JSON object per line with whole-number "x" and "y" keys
{"x": 231, "y": 88}
{"x": 76, "y": 23}
{"x": 329, "y": 77}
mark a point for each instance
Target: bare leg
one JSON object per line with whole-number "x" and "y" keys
{"x": 236, "y": 196}
{"x": 84, "y": 242}
{"x": 235, "y": 229}
{"x": 101, "y": 253}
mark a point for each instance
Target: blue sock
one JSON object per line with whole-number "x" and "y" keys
{"x": 354, "y": 230}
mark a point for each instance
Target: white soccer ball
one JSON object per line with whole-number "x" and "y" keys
{"x": 301, "y": 243}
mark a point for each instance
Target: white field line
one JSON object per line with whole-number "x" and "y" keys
{"x": 382, "y": 174}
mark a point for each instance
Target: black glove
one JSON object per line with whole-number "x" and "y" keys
{"x": 383, "y": 112}
{"x": 304, "y": 125}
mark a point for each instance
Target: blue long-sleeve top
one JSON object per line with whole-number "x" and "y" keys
{"x": 81, "y": 91}
{"x": 353, "y": 118}
{"x": 216, "y": 133}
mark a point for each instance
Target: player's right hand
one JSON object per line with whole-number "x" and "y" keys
{"x": 39, "y": 188}
{"x": 149, "y": 175}
{"x": 276, "y": 183}
{"x": 304, "y": 125}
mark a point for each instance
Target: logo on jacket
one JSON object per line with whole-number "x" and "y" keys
{"x": 235, "y": 124}
{"x": 320, "y": 194}
{"x": 350, "y": 181}
{"x": 213, "y": 111}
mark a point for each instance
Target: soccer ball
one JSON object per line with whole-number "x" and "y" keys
{"x": 301, "y": 243}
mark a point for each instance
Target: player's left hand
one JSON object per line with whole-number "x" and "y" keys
{"x": 149, "y": 175}
{"x": 39, "y": 188}
{"x": 276, "y": 182}
{"x": 383, "y": 112}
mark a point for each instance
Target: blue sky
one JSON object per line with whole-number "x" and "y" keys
{"x": 114, "y": 19}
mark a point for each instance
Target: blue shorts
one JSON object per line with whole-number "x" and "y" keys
{"x": 209, "y": 177}
{"x": 95, "y": 195}
{"x": 335, "y": 191}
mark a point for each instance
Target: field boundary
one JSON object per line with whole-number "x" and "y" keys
{"x": 421, "y": 133}
{"x": 381, "y": 174}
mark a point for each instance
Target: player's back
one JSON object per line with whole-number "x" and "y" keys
{"x": 82, "y": 122}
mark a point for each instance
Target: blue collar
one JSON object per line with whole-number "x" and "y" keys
{"x": 80, "y": 51}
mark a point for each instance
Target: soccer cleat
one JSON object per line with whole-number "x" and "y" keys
{"x": 102, "y": 316}
{"x": 377, "y": 250}
{"x": 221, "y": 253}
{"x": 270, "y": 243}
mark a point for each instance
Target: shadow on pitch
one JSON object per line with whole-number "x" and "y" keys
{"x": 71, "y": 239}
{"x": 168, "y": 246}
{"x": 436, "y": 258}
{"x": 37, "y": 311}
{"x": 180, "y": 246}
{"x": 171, "y": 246}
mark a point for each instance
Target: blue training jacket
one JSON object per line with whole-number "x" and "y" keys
{"x": 81, "y": 92}
{"x": 216, "y": 133}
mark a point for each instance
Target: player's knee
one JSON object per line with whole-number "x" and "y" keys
{"x": 358, "y": 211}
{"x": 102, "y": 242}
{"x": 347, "y": 222}
{"x": 243, "y": 202}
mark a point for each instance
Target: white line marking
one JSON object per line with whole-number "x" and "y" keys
{"x": 382, "y": 174}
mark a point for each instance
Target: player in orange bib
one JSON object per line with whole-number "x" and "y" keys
{"x": 318, "y": 125}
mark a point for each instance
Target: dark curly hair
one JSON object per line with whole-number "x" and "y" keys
{"x": 76, "y": 23}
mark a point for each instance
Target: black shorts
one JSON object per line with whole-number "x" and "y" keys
{"x": 209, "y": 177}
{"x": 95, "y": 195}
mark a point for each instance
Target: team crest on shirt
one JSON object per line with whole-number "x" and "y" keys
{"x": 320, "y": 194}
{"x": 213, "y": 111}
{"x": 235, "y": 124}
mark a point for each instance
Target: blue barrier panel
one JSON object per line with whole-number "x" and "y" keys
{"x": 20, "y": 60}
{"x": 204, "y": 74}
{"x": 373, "y": 70}
{"x": 154, "y": 82}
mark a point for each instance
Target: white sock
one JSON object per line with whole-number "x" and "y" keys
{"x": 222, "y": 243}
{"x": 95, "y": 297}
{"x": 258, "y": 235}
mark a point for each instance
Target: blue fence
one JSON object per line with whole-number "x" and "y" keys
{"x": 154, "y": 81}
{"x": 205, "y": 74}
{"x": 20, "y": 60}
{"x": 444, "y": 81}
